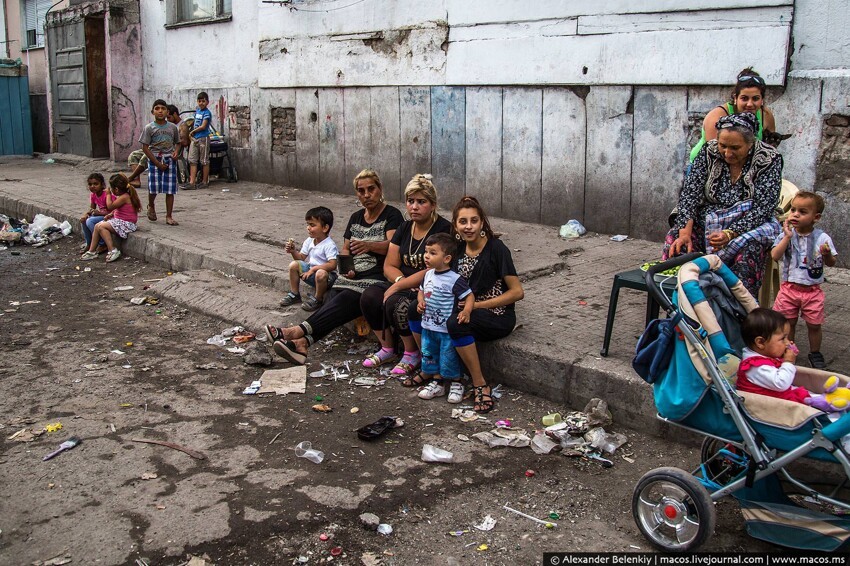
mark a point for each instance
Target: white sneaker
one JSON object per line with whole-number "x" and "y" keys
{"x": 433, "y": 389}
{"x": 456, "y": 392}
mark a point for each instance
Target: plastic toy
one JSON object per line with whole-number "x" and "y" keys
{"x": 834, "y": 399}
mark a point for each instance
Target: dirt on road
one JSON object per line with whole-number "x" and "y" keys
{"x": 75, "y": 351}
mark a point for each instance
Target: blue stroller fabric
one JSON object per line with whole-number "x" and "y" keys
{"x": 655, "y": 348}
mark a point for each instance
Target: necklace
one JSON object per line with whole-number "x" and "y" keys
{"x": 410, "y": 251}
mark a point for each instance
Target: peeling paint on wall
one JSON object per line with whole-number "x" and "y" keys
{"x": 124, "y": 122}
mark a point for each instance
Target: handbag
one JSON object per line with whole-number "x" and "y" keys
{"x": 655, "y": 348}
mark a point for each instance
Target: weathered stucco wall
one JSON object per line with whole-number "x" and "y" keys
{"x": 472, "y": 92}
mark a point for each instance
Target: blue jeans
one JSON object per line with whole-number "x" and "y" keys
{"x": 439, "y": 355}
{"x": 88, "y": 229}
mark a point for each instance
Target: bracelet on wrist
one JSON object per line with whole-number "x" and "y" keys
{"x": 731, "y": 234}
{"x": 399, "y": 278}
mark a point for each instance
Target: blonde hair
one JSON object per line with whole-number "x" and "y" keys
{"x": 368, "y": 174}
{"x": 421, "y": 183}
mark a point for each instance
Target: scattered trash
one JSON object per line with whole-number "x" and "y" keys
{"x": 465, "y": 415}
{"x": 597, "y": 413}
{"x": 26, "y": 435}
{"x": 319, "y": 373}
{"x": 53, "y": 427}
{"x": 124, "y": 288}
{"x": 322, "y": 408}
{"x": 604, "y": 441}
{"x": 354, "y": 410}
{"x": 49, "y": 161}
{"x": 572, "y": 229}
{"x": 547, "y": 524}
{"x": 505, "y": 423}
{"x": 582, "y": 303}
{"x": 604, "y": 461}
{"x": 244, "y": 337}
{"x": 211, "y": 365}
{"x": 217, "y": 340}
{"x": 318, "y": 398}
{"x": 193, "y": 453}
{"x": 275, "y": 438}
{"x": 434, "y": 454}
{"x": 459, "y": 533}
{"x": 305, "y": 450}
{"x": 143, "y": 300}
{"x": 336, "y": 551}
{"x": 67, "y": 445}
{"x": 487, "y": 524}
{"x": 554, "y": 516}
{"x": 253, "y": 388}
{"x": 482, "y": 547}
{"x": 517, "y": 438}
{"x": 385, "y": 529}
{"x": 197, "y": 560}
{"x": 530, "y": 473}
{"x": 463, "y": 437}
{"x": 323, "y": 537}
{"x": 370, "y": 521}
{"x": 236, "y": 350}
{"x": 619, "y": 238}
{"x": 365, "y": 381}
{"x": 542, "y": 444}
{"x": 553, "y": 419}
{"x": 149, "y": 476}
{"x": 284, "y": 381}
{"x": 378, "y": 428}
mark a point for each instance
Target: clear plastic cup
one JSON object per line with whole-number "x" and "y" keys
{"x": 711, "y": 230}
{"x": 305, "y": 450}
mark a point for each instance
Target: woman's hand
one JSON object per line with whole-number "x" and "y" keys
{"x": 392, "y": 290}
{"x": 718, "y": 240}
{"x": 682, "y": 244}
{"x": 358, "y": 247}
{"x": 350, "y": 274}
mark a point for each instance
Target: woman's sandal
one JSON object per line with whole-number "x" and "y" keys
{"x": 286, "y": 349}
{"x": 378, "y": 428}
{"x": 375, "y": 360}
{"x": 402, "y": 368}
{"x": 417, "y": 380}
{"x": 484, "y": 402}
{"x": 274, "y": 333}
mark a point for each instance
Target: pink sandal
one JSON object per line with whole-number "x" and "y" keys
{"x": 376, "y": 359}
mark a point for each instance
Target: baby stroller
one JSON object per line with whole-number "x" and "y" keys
{"x": 750, "y": 439}
{"x": 220, "y": 163}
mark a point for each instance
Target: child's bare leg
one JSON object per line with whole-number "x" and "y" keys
{"x": 815, "y": 337}
{"x": 206, "y": 177}
{"x": 133, "y": 179}
{"x": 193, "y": 173}
{"x": 151, "y": 204}
{"x": 321, "y": 284}
{"x": 169, "y": 206}
{"x": 294, "y": 277}
{"x": 103, "y": 231}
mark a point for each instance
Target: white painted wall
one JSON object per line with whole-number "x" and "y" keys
{"x": 200, "y": 56}
{"x": 821, "y": 36}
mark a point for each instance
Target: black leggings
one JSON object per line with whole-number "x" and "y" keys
{"x": 341, "y": 306}
{"x": 395, "y": 310}
{"x": 483, "y": 326}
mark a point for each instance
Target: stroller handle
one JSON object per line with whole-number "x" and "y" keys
{"x": 654, "y": 288}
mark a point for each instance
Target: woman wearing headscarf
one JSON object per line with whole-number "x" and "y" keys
{"x": 733, "y": 187}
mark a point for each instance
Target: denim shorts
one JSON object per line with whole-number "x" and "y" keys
{"x": 304, "y": 267}
{"x": 439, "y": 355}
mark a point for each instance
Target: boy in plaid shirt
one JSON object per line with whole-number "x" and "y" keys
{"x": 161, "y": 143}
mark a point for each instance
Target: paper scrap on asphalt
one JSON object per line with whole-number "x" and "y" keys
{"x": 283, "y": 381}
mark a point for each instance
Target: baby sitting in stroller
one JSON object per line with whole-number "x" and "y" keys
{"x": 768, "y": 360}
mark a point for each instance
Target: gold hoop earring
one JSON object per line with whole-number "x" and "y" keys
{"x": 457, "y": 237}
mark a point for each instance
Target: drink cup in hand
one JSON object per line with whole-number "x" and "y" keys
{"x": 712, "y": 230}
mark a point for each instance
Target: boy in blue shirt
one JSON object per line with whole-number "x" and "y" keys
{"x": 199, "y": 148}
{"x": 439, "y": 294}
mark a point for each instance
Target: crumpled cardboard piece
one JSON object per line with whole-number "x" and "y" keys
{"x": 284, "y": 381}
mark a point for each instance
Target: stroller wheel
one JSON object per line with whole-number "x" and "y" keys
{"x": 673, "y": 510}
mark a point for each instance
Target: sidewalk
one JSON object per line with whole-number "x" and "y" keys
{"x": 227, "y": 250}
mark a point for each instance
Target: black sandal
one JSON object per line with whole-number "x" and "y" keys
{"x": 484, "y": 401}
{"x": 417, "y": 380}
{"x": 376, "y": 429}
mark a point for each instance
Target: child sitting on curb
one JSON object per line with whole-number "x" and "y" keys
{"x": 316, "y": 263}
{"x": 96, "y": 212}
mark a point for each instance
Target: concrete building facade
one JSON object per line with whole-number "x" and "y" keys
{"x": 545, "y": 111}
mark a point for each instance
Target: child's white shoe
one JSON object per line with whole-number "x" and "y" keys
{"x": 456, "y": 392}
{"x": 113, "y": 255}
{"x": 433, "y": 389}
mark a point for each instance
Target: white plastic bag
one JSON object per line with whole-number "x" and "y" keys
{"x": 434, "y": 454}
{"x": 572, "y": 229}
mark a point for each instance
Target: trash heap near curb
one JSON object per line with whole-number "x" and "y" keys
{"x": 40, "y": 232}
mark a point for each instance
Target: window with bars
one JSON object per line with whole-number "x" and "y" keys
{"x": 34, "y": 12}
{"x": 197, "y": 11}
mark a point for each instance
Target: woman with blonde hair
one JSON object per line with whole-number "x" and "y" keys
{"x": 366, "y": 239}
{"x": 387, "y": 304}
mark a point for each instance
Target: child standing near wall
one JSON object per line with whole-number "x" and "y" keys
{"x": 804, "y": 250}
{"x": 161, "y": 143}
{"x": 199, "y": 148}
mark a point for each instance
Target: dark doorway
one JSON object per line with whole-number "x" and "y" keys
{"x": 98, "y": 101}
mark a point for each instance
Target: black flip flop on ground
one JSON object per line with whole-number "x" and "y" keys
{"x": 376, "y": 429}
